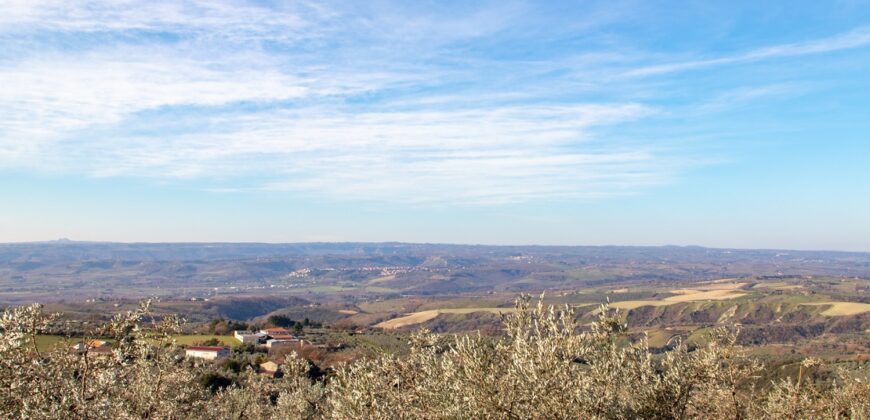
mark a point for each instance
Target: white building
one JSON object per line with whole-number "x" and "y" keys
{"x": 281, "y": 344}
{"x": 273, "y": 344}
{"x": 207, "y": 352}
{"x": 249, "y": 337}
{"x": 270, "y": 368}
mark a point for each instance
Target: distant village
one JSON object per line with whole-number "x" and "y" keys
{"x": 275, "y": 341}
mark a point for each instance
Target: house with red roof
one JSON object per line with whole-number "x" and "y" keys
{"x": 271, "y": 332}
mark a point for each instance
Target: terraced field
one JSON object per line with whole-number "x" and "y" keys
{"x": 705, "y": 292}
{"x": 719, "y": 292}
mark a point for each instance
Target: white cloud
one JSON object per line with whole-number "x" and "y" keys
{"x": 491, "y": 155}
{"x": 392, "y": 106}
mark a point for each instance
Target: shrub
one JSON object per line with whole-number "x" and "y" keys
{"x": 280, "y": 321}
{"x": 544, "y": 366}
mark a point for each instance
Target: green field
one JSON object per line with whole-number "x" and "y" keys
{"x": 192, "y": 339}
{"x": 45, "y": 342}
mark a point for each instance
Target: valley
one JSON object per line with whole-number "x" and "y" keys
{"x": 806, "y": 302}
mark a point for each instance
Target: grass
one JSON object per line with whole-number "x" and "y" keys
{"x": 472, "y": 310}
{"x": 382, "y": 279}
{"x": 391, "y": 305}
{"x": 719, "y": 285}
{"x": 191, "y": 339}
{"x": 462, "y": 303}
{"x": 380, "y": 289}
{"x": 46, "y": 342}
{"x": 700, "y": 336}
{"x": 777, "y": 285}
{"x": 634, "y": 304}
{"x": 658, "y": 337}
{"x": 328, "y": 289}
{"x": 728, "y": 280}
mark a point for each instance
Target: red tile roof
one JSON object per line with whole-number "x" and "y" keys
{"x": 98, "y": 343}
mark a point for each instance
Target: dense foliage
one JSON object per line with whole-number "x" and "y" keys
{"x": 543, "y": 367}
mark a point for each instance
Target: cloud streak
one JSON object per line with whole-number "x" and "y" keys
{"x": 853, "y": 39}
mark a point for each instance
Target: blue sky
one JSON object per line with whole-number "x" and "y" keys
{"x": 732, "y": 124}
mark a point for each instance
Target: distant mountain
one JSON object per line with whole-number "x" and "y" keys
{"x": 67, "y": 250}
{"x": 79, "y": 270}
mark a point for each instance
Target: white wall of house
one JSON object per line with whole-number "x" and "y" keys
{"x": 208, "y": 354}
{"x": 248, "y": 336}
{"x": 275, "y": 344}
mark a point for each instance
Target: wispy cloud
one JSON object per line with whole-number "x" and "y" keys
{"x": 215, "y": 18}
{"x": 467, "y": 156}
{"x": 362, "y": 102}
{"x": 854, "y": 39}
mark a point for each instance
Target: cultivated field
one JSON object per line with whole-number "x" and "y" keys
{"x": 423, "y": 316}
{"x": 411, "y": 319}
{"x": 693, "y": 296}
{"x": 634, "y": 304}
{"x": 719, "y": 292}
{"x": 843, "y": 308}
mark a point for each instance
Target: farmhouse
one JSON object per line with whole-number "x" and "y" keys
{"x": 96, "y": 347}
{"x": 249, "y": 337}
{"x": 207, "y": 352}
{"x": 274, "y": 344}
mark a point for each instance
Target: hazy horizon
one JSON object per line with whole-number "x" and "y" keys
{"x": 630, "y": 123}
{"x": 458, "y": 244}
